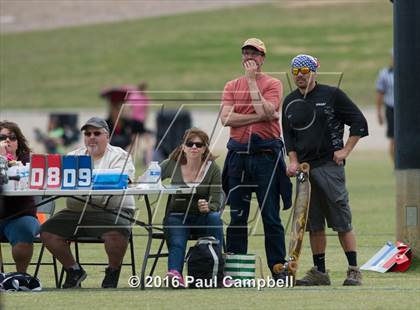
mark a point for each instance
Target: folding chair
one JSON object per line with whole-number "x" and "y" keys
{"x": 97, "y": 240}
{"x": 43, "y": 213}
{"x": 161, "y": 236}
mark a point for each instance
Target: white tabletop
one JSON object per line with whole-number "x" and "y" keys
{"x": 169, "y": 190}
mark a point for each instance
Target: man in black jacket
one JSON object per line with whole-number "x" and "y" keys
{"x": 313, "y": 122}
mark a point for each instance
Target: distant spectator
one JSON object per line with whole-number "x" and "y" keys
{"x": 170, "y": 127}
{"x": 120, "y": 126}
{"x": 139, "y": 102}
{"x": 61, "y": 132}
{"x": 385, "y": 97}
{"x": 139, "y": 105}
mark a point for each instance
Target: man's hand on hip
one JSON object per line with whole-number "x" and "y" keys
{"x": 292, "y": 169}
{"x": 293, "y": 166}
{"x": 340, "y": 156}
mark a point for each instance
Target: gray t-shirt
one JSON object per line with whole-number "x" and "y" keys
{"x": 385, "y": 85}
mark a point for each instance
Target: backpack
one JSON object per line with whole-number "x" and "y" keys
{"x": 205, "y": 264}
{"x": 19, "y": 281}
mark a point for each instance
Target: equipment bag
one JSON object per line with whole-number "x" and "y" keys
{"x": 19, "y": 281}
{"x": 205, "y": 264}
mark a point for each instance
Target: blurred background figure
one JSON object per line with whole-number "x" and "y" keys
{"x": 385, "y": 97}
{"x": 170, "y": 128}
{"x": 139, "y": 106}
{"x": 139, "y": 102}
{"x": 62, "y": 132}
{"x": 119, "y": 123}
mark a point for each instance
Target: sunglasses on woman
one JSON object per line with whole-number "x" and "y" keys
{"x": 197, "y": 144}
{"x": 11, "y": 137}
{"x": 303, "y": 70}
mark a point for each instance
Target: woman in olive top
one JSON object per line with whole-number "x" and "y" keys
{"x": 192, "y": 164}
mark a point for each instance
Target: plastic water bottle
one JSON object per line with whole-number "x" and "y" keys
{"x": 24, "y": 177}
{"x": 16, "y": 173}
{"x": 154, "y": 175}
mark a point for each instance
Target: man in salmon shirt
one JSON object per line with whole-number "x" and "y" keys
{"x": 254, "y": 163}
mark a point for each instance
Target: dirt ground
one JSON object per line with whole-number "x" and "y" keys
{"x": 207, "y": 120}
{"x": 26, "y": 15}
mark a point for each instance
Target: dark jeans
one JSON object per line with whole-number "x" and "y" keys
{"x": 257, "y": 177}
{"x": 179, "y": 227}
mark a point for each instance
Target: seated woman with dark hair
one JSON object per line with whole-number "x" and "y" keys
{"x": 18, "y": 221}
{"x": 192, "y": 164}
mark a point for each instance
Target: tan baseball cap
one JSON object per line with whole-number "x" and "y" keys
{"x": 256, "y": 43}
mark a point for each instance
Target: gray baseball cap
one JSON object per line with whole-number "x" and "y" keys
{"x": 96, "y": 122}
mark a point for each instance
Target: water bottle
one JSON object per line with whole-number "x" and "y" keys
{"x": 16, "y": 173}
{"x": 153, "y": 177}
{"x": 24, "y": 177}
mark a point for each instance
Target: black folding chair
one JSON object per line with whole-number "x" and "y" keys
{"x": 97, "y": 240}
{"x": 160, "y": 235}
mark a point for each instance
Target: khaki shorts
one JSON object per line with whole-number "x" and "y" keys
{"x": 329, "y": 199}
{"x": 68, "y": 223}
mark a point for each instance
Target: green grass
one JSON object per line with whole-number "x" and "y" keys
{"x": 372, "y": 196}
{"x": 66, "y": 68}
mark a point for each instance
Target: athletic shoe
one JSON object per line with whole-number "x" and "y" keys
{"x": 282, "y": 275}
{"x": 228, "y": 283}
{"x": 354, "y": 276}
{"x": 314, "y": 277}
{"x": 111, "y": 278}
{"x": 74, "y": 277}
{"x": 175, "y": 279}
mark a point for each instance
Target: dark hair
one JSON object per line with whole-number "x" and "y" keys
{"x": 23, "y": 147}
{"x": 178, "y": 154}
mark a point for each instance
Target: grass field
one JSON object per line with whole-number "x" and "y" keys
{"x": 66, "y": 68}
{"x": 372, "y": 196}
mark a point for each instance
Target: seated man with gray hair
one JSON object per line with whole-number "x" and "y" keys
{"x": 82, "y": 219}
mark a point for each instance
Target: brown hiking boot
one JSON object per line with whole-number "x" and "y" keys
{"x": 354, "y": 276}
{"x": 314, "y": 277}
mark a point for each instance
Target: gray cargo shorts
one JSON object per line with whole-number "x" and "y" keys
{"x": 68, "y": 223}
{"x": 329, "y": 199}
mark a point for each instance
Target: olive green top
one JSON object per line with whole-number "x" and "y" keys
{"x": 210, "y": 188}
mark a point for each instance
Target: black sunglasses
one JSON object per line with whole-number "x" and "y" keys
{"x": 197, "y": 144}
{"x": 95, "y": 133}
{"x": 12, "y": 137}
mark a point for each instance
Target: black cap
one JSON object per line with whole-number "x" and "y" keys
{"x": 96, "y": 122}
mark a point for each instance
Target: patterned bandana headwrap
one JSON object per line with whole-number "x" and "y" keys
{"x": 305, "y": 61}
